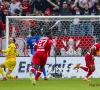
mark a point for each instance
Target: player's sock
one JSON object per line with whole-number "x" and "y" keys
{"x": 38, "y": 74}
{"x": 89, "y": 73}
{"x": 84, "y": 68}
{"x": 2, "y": 72}
{"x": 32, "y": 70}
{"x": 10, "y": 76}
{"x": 44, "y": 72}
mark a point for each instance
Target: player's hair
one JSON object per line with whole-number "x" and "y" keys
{"x": 32, "y": 33}
{"x": 48, "y": 33}
{"x": 14, "y": 40}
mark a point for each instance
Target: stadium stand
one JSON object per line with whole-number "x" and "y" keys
{"x": 50, "y": 8}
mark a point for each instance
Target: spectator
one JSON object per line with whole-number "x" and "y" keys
{"x": 5, "y": 7}
{"x": 48, "y": 12}
{"x": 98, "y": 9}
{"x": 14, "y": 30}
{"x": 86, "y": 10}
{"x": 86, "y": 28}
{"x": 75, "y": 11}
{"x": 76, "y": 28}
{"x": 37, "y": 5}
{"x": 89, "y": 2}
{"x": 37, "y": 13}
{"x": 58, "y": 25}
{"x": 2, "y": 15}
{"x": 45, "y": 27}
{"x": 56, "y": 6}
{"x": 20, "y": 12}
{"x": 66, "y": 10}
{"x": 14, "y": 6}
{"x": 25, "y": 6}
{"x": 2, "y": 32}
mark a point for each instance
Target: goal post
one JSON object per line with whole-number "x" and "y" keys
{"x": 74, "y": 32}
{"x": 73, "y": 37}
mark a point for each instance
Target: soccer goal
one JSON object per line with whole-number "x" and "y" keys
{"x": 74, "y": 34}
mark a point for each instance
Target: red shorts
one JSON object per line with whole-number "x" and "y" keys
{"x": 88, "y": 60}
{"x": 39, "y": 58}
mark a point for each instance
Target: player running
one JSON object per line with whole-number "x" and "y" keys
{"x": 89, "y": 60}
{"x": 10, "y": 61}
{"x": 39, "y": 59}
{"x": 31, "y": 40}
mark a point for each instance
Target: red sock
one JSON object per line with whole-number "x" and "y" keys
{"x": 38, "y": 74}
{"x": 32, "y": 70}
{"x": 84, "y": 68}
{"x": 89, "y": 73}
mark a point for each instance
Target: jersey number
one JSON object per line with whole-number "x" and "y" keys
{"x": 42, "y": 43}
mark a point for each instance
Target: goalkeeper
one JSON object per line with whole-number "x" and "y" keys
{"x": 10, "y": 61}
{"x": 30, "y": 41}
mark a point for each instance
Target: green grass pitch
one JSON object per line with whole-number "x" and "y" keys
{"x": 51, "y": 84}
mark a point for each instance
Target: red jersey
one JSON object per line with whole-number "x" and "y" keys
{"x": 26, "y": 6}
{"x": 97, "y": 48}
{"x": 43, "y": 44}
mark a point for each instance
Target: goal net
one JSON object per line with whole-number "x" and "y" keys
{"x": 74, "y": 34}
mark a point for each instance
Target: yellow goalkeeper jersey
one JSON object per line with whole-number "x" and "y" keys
{"x": 11, "y": 51}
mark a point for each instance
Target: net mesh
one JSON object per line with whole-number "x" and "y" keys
{"x": 73, "y": 36}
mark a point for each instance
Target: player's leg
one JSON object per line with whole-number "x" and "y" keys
{"x": 39, "y": 72}
{"x": 91, "y": 70}
{"x": 32, "y": 70}
{"x": 90, "y": 67}
{"x": 43, "y": 60}
{"x": 82, "y": 67}
{"x": 10, "y": 64}
{"x": 31, "y": 55}
{"x": 2, "y": 72}
{"x": 44, "y": 73}
{"x": 85, "y": 68}
{"x": 10, "y": 76}
{"x": 35, "y": 65}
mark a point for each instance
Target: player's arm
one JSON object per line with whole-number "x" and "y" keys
{"x": 56, "y": 24}
{"x": 53, "y": 4}
{"x": 53, "y": 26}
{"x": 28, "y": 47}
{"x": 35, "y": 46}
{"x": 49, "y": 46}
{"x": 27, "y": 43}
{"x": 16, "y": 53}
{"x": 6, "y": 50}
{"x": 92, "y": 52}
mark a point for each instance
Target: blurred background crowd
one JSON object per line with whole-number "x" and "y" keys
{"x": 51, "y": 8}
{"x": 74, "y": 27}
{"x": 48, "y": 7}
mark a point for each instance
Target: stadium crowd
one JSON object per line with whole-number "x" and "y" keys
{"x": 49, "y": 8}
